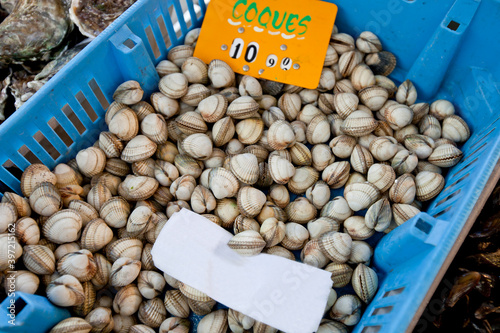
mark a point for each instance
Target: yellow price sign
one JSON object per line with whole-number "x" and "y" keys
{"x": 278, "y": 40}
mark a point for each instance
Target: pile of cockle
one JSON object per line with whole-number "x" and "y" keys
{"x": 468, "y": 298}
{"x": 216, "y": 143}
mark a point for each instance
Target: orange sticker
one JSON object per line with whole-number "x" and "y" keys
{"x": 278, "y": 40}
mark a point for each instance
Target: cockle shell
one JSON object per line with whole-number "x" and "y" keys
{"x": 176, "y": 303}
{"x": 381, "y": 63}
{"x": 272, "y": 115}
{"x": 455, "y": 129}
{"x": 101, "y": 277}
{"x": 245, "y": 167}
{"x": 358, "y": 123}
{"x": 250, "y": 201}
{"x": 361, "y": 253}
{"x": 202, "y": 200}
{"x": 407, "y": 93}
{"x": 195, "y": 94}
{"x": 180, "y": 53}
{"x": 356, "y": 227}
{"x": 300, "y": 154}
{"x": 96, "y": 235}
{"x": 362, "y": 77}
{"x": 223, "y": 131}
{"x": 98, "y": 195}
{"x": 175, "y": 325}
{"x": 247, "y": 243}
{"x": 124, "y": 271}
{"x": 361, "y": 159}
{"x": 137, "y": 149}
{"x": 361, "y": 195}
{"x": 26, "y": 230}
{"x": 303, "y": 178}
{"x": 336, "y": 246}
{"x": 214, "y": 322}
{"x": 403, "y": 212}
{"x": 174, "y": 85}
{"x": 387, "y": 84}
{"x": 404, "y": 162}
{"x": 129, "y": 92}
{"x": 397, "y": 115}
{"x": 166, "y": 106}
{"x": 213, "y": 108}
{"x": 91, "y": 161}
{"x": 243, "y": 107}
{"x": 445, "y": 156}
{"x": 223, "y": 183}
{"x": 290, "y": 104}
{"x": 66, "y": 175}
{"x": 8, "y": 215}
{"x": 152, "y": 312}
{"x": 198, "y": 146}
{"x": 195, "y": 70}
{"x": 142, "y": 109}
{"x": 272, "y": 231}
{"x": 341, "y": 274}
{"x": 441, "y": 109}
{"x": 374, "y": 97}
{"x": 220, "y": 74}
{"x": 280, "y": 169}
{"x": 136, "y": 188}
{"x": 140, "y": 328}
{"x": 139, "y": 220}
{"x": 189, "y": 123}
{"x": 296, "y": 236}
{"x": 11, "y": 250}
{"x": 124, "y": 124}
{"x": 63, "y": 226}
{"x": 318, "y": 130}
{"x": 379, "y": 215}
{"x": 79, "y": 264}
{"x": 141, "y": 168}
{"x": 238, "y": 322}
{"x": 336, "y": 174}
{"x": 364, "y": 282}
{"x": 318, "y": 194}
{"x": 127, "y": 301}
{"x": 426, "y": 166}
{"x": 250, "y": 86}
{"x": 124, "y": 248}
{"x": 383, "y": 148}
{"x": 65, "y": 291}
{"x": 421, "y": 145}
{"x": 300, "y": 210}
{"x": 404, "y": 189}
{"x": 428, "y": 185}
{"x": 348, "y": 61}
{"x": 342, "y": 42}
{"x": 337, "y": 209}
{"x": 368, "y": 42}
{"x": 382, "y": 176}
{"x": 155, "y": 128}
{"x": 117, "y": 167}
{"x": 321, "y": 156}
{"x": 280, "y": 135}
{"x": 326, "y": 80}
{"x": 72, "y": 324}
{"x": 311, "y": 255}
{"x": 430, "y": 126}
{"x": 343, "y": 145}
{"x": 115, "y": 212}
{"x": 250, "y": 130}
{"x": 321, "y": 226}
{"x": 347, "y": 310}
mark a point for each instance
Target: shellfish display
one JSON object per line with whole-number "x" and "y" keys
{"x": 317, "y": 174}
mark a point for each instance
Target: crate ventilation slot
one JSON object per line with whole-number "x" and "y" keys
{"x": 98, "y": 94}
{"x": 68, "y": 111}
{"x": 152, "y": 42}
{"x": 482, "y": 138}
{"x": 449, "y": 197}
{"x": 13, "y": 169}
{"x": 89, "y": 110}
{"x": 442, "y": 212}
{"x": 382, "y": 310}
{"x": 423, "y": 226}
{"x": 188, "y": 20}
{"x": 129, "y": 43}
{"x": 394, "y": 292}
{"x": 456, "y": 182}
{"x": 453, "y": 25}
{"x": 163, "y": 30}
{"x": 465, "y": 167}
{"x": 60, "y": 132}
{"x": 474, "y": 152}
{"x": 371, "y": 329}
{"x": 175, "y": 21}
{"x": 45, "y": 143}
{"x": 28, "y": 155}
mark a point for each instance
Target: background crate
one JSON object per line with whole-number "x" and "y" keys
{"x": 447, "y": 48}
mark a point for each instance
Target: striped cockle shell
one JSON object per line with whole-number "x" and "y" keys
{"x": 401, "y": 134}
{"x": 101, "y": 319}
{"x": 247, "y": 243}
{"x": 336, "y": 174}
{"x": 101, "y": 277}
{"x": 290, "y": 104}
{"x": 155, "y": 128}
{"x": 176, "y": 303}
{"x": 300, "y": 210}
{"x": 166, "y": 67}
{"x": 195, "y": 70}
{"x": 311, "y": 255}
{"x": 65, "y": 291}
{"x": 321, "y": 156}
{"x": 272, "y": 231}
{"x": 300, "y": 154}
{"x": 250, "y": 130}
{"x": 379, "y": 215}
{"x": 347, "y": 310}
{"x": 404, "y": 162}
{"x": 358, "y": 124}
{"x": 342, "y": 145}
{"x": 142, "y": 109}
{"x": 318, "y": 130}
{"x": 91, "y": 161}
{"x": 152, "y": 312}
{"x": 213, "y": 108}
{"x": 96, "y": 235}
{"x": 98, "y": 195}
{"x": 397, "y": 115}
{"x": 336, "y": 246}
{"x": 318, "y": 194}
{"x": 124, "y": 124}
{"x": 238, "y": 322}
{"x": 80, "y": 264}
{"x": 223, "y": 131}
{"x": 129, "y": 92}
{"x": 361, "y": 252}
{"x": 280, "y": 169}
{"x": 250, "y": 201}
{"x": 382, "y": 176}
{"x": 280, "y": 251}
{"x": 27, "y": 230}
{"x": 280, "y": 135}
{"x": 455, "y": 129}
{"x": 430, "y": 126}
{"x": 136, "y": 188}
{"x": 250, "y": 86}
{"x": 303, "y": 178}
{"x": 441, "y": 109}
{"x": 383, "y": 148}
{"x": 356, "y": 227}
{"x": 202, "y": 200}
{"x": 139, "y": 148}
{"x": 403, "y": 212}
{"x": 227, "y": 211}
{"x": 361, "y": 159}
{"x": 337, "y": 209}
{"x": 220, "y": 74}
{"x": 223, "y": 183}
{"x": 331, "y": 326}
{"x": 139, "y": 220}
{"x": 362, "y": 77}
{"x": 126, "y": 247}
{"x": 428, "y": 185}
{"x": 117, "y": 167}
{"x": 8, "y": 216}
{"x": 72, "y": 324}
{"x": 271, "y": 210}
{"x": 124, "y": 271}
{"x": 115, "y": 212}
{"x": 364, "y": 282}
{"x": 242, "y": 223}
{"x": 374, "y": 97}
{"x": 243, "y": 107}
{"x": 321, "y": 226}
{"x": 421, "y": 145}
{"x": 68, "y": 176}
{"x": 361, "y": 195}
{"x": 368, "y": 42}
{"x": 173, "y": 85}
{"x": 342, "y": 42}
{"x": 279, "y": 195}
{"x": 404, "y": 189}
{"x": 245, "y": 167}
{"x": 296, "y": 236}
{"x": 387, "y": 84}
{"x": 445, "y": 156}
{"x": 348, "y": 61}
{"x": 271, "y": 115}
{"x": 63, "y": 226}
{"x": 341, "y": 274}
{"x": 127, "y": 300}
{"x": 406, "y": 93}
{"x": 175, "y": 324}
{"x": 214, "y": 322}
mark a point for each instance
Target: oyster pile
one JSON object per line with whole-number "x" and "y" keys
{"x": 258, "y": 158}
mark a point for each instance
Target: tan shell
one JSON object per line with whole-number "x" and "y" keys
{"x": 139, "y": 220}
{"x": 142, "y": 109}
{"x": 195, "y": 94}
{"x": 72, "y": 324}
{"x": 101, "y": 277}
{"x": 202, "y": 200}
{"x": 279, "y": 195}
{"x": 238, "y": 322}
{"x": 152, "y": 312}
{"x": 337, "y": 209}
{"x": 142, "y": 168}
{"x": 250, "y": 130}
{"x": 91, "y": 161}
{"x": 361, "y": 252}
{"x": 223, "y": 183}
{"x": 138, "y": 149}
{"x": 213, "y": 108}
{"x": 404, "y": 189}
{"x": 272, "y": 231}
{"x": 164, "y": 105}
{"x": 126, "y": 247}
{"x": 455, "y": 129}
{"x": 300, "y": 210}
{"x": 271, "y": 115}
{"x": 174, "y": 324}
{"x": 214, "y": 322}
{"x": 362, "y": 77}
{"x": 280, "y": 169}
{"x": 368, "y": 42}
{"x": 195, "y": 70}
{"x": 190, "y": 122}
{"x": 113, "y": 109}
{"x": 296, "y": 236}
{"x": 124, "y": 271}
{"x": 336, "y": 174}
{"x": 176, "y": 303}
{"x": 96, "y": 235}
{"x": 223, "y": 131}
{"x": 318, "y": 194}
{"x": 311, "y": 255}
{"x": 290, "y": 104}
{"x": 127, "y": 301}
{"x": 101, "y": 319}
{"x": 303, "y": 178}
{"x": 280, "y": 251}
{"x": 361, "y": 159}
{"x": 250, "y": 201}
{"x": 336, "y": 246}
{"x": 430, "y": 126}
{"x": 250, "y": 86}
{"x": 129, "y": 92}
{"x": 136, "y": 188}
{"x": 124, "y": 124}
{"x": 110, "y": 144}
{"x": 220, "y": 74}
{"x": 404, "y": 162}
{"x": 180, "y": 53}
{"x": 343, "y": 145}
{"x": 98, "y": 195}
{"x": 421, "y": 145}
{"x": 403, "y": 212}
{"x": 198, "y": 146}
{"x": 383, "y": 148}
{"x": 245, "y": 167}
{"x": 318, "y": 130}
{"x": 445, "y": 156}
{"x": 8, "y": 215}
{"x": 345, "y": 103}
{"x": 79, "y": 264}
{"x": 361, "y": 195}
{"x": 374, "y": 97}
{"x": 382, "y": 176}
{"x": 347, "y": 310}
{"x": 341, "y": 274}
{"x": 300, "y": 154}
{"x": 243, "y": 107}
{"x": 115, "y": 212}
{"x": 65, "y": 291}
{"x": 247, "y": 243}
{"x": 27, "y": 230}
{"x": 397, "y": 115}
{"x": 356, "y": 228}
{"x": 166, "y": 67}
{"x": 63, "y": 226}
{"x": 342, "y": 42}
{"x": 428, "y": 185}
{"x": 281, "y": 135}
{"x": 66, "y": 175}
{"x": 348, "y": 61}
{"x": 364, "y": 282}
{"x": 155, "y": 128}
{"x": 321, "y": 226}
{"x": 117, "y": 167}
{"x": 321, "y": 156}
{"x": 39, "y": 259}
{"x": 379, "y": 215}
{"x": 173, "y": 85}
{"x": 407, "y": 93}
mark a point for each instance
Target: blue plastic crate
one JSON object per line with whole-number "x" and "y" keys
{"x": 447, "y": 48}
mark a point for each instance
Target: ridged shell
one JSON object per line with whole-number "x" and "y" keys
{"x": 404, "y": 189}
{"x": 250, "y": 201}
{"x": 296, "y": 236}
{"x": 381, "y": 63}
{"x": 345, "y": 104}
{"x": 250, "y": 130}
{"x": 176, "y": 304}
{"x": 362, "y": 77}
{"x": 65, "y": 291}
{"x": 280, "y": 135}
{"x": 135, "y": 188}
{"x": 190, "y": 122}
{"x": 137, "y": 149}
{"x": 404, "y": 162}
{"x": 215, "y": 322}
{"x": 397, "y": 115}
{"x": 455, "y": 129}
{"x": 124, "y": 124}
{"x": 96, "y": 235}
{"x": 373, "y": 97}
{"x": 382, "y": 176}
{"x": 129, "y": 92}
{"x": 124, "y": 247}
{"x": 117, "y": 167}
{"x": 347, "y": 310}
{"x": 361, "y": 253}
{"x": 337, "y": 209}
{"x": 245, "y": 167}
{"x": 303, "y": 178}
{"x": 80, "y": 264}
{"x": 318, "y": 130}
{"x": 272, "y": 231}
{"x": 383, "y": 148}
{"x": 336, "y": 174}
{"x": 445, "y": 156}
{"x": 98, "y": 195}
{"x": 247, "y": 243}
{"x": 195, "y": 94}
{"x": 198, "y": 146}
{"x": 403, "y": 212}
{"x": 356, "y": 228}
{"x": 341, "y": 274}
{"x": 290, "y": 104}
{"x": 271, "y": 210}
{"x": 63, "y": 226}
{"x": 361, "y": 159}
{"x": 428, "y": 185}
{"x": 213, "y": 108}
{"x": 243, "y": 107}
{"x": 220, "y": 74}
{"x": 202, "y": 200}
{"x": 127, "y": 301}
{"x": 300, "y": 210}
{"x": 430, "y": 126}
{"x": 124, "y": 271}
{"x": 311, "y": 255}
{"x": 115, "y": 212}
{"x": 142, "y": 109}
{"x": 174, "y": 85}
{"x": 379, "y": 215}
{"x": 280, "y": 169}
{"x": 72, "y": 324}
{"x": 336, "y": 246}
{"x": 39, "y": 259}
{"x": 300, "y": 154}
{"x": 361, "y": 195}
{"x": 343, "y": 145}
{"x": 195, "y": 70}
{"x": 180, "y": 53}
{"x": 364, "y": 282}
{"x": 223, "y": 131}
{"x": 155, "y": 128}
{"x": 321, "y": 226}
{"x": 223, "y": 183}
{"x": 152, "y": 312}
